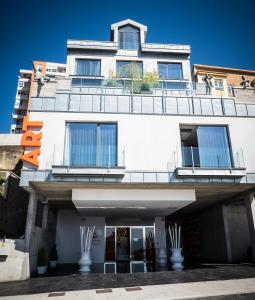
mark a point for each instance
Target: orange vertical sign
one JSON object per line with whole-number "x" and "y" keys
{"x": 29, "y": 138}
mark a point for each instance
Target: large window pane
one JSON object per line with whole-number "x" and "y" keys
{"x": 110, "y": 244}
{"x": 129, "y": 38}
{"x": 87, "y": 67}
{"x": 129, "y": 69}
{"x": 170, "y": 71}
{"x": 91, "y": 144}
{"x": 107, "y": 142}
{"x": 205, "y": 146}
{"x": 213, "y": 146}
{"x": 82, "y": 144}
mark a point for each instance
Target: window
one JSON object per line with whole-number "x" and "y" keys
{"x": 127, "y": 69}
{"x": 78, "y": 82}
{"x": 21, "y": 83}
{"x": 218, "y": 84}
{"x": 88, "y": 67}
{"x": 170, "y": 71}
{"x": 91, "y": 144}
{"x": 61, "y": 70}
{"x": 129, "y": 38}
{"x": 205, "y": 146}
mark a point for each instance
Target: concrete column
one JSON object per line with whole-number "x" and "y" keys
{"x": 227, "y": 233}
{"x": 31, "y": 212}
{"x": 250, "y": 209}
{"x": 45, "y": 216}
{"x": 160, "y": 232}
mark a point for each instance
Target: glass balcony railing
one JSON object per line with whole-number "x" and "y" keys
{"x": 114, "y": 100}
{"x": 211, "y": 157}
{"x": 91, "y": 156}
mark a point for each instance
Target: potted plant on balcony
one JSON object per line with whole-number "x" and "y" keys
{"x": 145, "y": 88}
{"x": 53, "y": 257}
{"x": 42, "y": 262}
{"x": 150, "y": 80}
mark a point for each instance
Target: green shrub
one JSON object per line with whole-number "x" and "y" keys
{"x": 145, "y": 86}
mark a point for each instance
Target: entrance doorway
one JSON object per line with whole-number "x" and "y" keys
{"x": 129, "y": 249}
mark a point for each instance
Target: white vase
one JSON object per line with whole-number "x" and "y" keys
{"x": 53, "y": 263}
{"x": 85, "y": 262}
{"x": 177, "y": 259}
{"x": 41, "y": 270}
{"x": 162, "y": 257}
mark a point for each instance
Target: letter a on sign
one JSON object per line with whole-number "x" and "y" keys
{"x": 31, "y": 157}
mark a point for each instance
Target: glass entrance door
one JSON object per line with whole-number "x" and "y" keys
{"x": 129, "y": 249}
{"x": 137, "y": 250}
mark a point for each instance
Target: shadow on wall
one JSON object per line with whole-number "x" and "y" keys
{"x": 204, "y": 237}
{"x": 13, "y": 205}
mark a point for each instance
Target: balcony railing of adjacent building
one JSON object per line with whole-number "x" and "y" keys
{"x": 209, "y": 161}
{"x": 18, "y": 116}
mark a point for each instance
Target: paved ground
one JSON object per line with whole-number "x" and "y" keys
{"x": 229, "y": 273}
{"x": 242, "y": 289}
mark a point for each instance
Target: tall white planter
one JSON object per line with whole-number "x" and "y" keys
{"x": 85, "y": 262}
{"x": 177, "y": 259}
{"x": 41, "y": 270}
{"x": 175, "y": 237}
{"x": 86, "y": 242}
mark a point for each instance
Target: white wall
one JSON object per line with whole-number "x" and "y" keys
{"x": 68, "y": 236}
{"x": 10, "y": 139}
{"x": 149, "y": 140}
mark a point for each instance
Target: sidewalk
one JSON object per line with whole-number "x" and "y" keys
{"x": 231, "y": 289}
{"x": 241, "y": 279}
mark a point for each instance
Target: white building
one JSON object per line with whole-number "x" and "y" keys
{"x": 131, "y": 160}
{"x": 23, "y": 91}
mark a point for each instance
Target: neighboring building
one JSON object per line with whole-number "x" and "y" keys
{"x": 226, "y": 82}
{"x": 13, "y": 210}
{"x": 21, "y": 100}
{"x": 23, "y": 91}
{"x": 103, "y": 149}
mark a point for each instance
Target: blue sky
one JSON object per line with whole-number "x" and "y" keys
{"x": 219, "y": 32}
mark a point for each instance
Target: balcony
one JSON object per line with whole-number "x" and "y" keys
{"x": 17, "y": 116}
{"x": 85, "y": 44}
{"x": 168, "y": 48}
{"x": 106, "y": 162}
{"x": 16, "y": 126}
{"x": 117, "y": 100}
{"x": 20, "y": 106}
{"x": 209, "y": 162}
{"x": 23, "y": 97}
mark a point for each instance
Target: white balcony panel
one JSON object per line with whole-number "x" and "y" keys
{"x": 229, "y": 173}
{"x": 89, "y": 171}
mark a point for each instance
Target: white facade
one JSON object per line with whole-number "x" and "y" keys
{"x": 149, "y": 180}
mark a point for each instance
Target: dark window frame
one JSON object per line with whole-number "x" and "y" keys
{"x": 98, "y": 125}
{"x": 213, "y": 125}
{"x": 129, "y": 62}
{"x": 88, "y": 59}
{"x": 170, "y": 63}
{"x": 122, "y": 30}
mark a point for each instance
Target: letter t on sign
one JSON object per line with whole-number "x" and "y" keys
{"x": 27, "y": 123}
